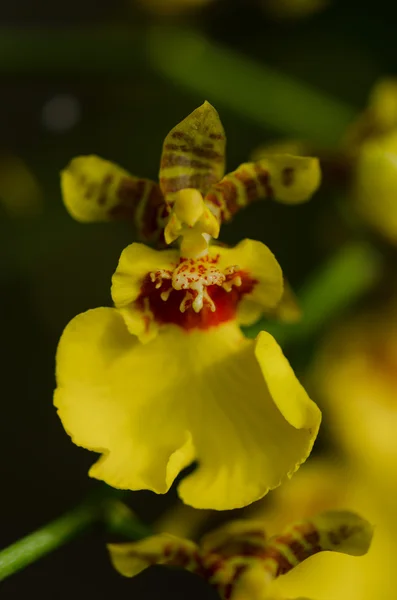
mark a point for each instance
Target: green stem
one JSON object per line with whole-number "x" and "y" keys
{"x": 190, "y": 60}
{"x": 103, "y": 507}
{"x": 340, "y": 283}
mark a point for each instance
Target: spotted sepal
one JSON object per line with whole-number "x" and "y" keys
{"x": 95, "y": 189}
{"x": 163, "y": 549}
{"x": 193, "y": 153}
{"x": 285, "y": 178}
{"x": 337, "y": 531}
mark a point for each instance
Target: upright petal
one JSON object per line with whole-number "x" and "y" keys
{"x": 193, "y": 153}
{"x": 200, "y": 395}
{"x": 288, "y": 179}
{"x": 95, "y": 189}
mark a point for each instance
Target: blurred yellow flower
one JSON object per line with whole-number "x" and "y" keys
{"x": 238, "y": 559}
{"x": 166, "y": 377}
{"x": 364, "y": 163}
{"x": 320, "y": 485}
{"x": 20, "y": 192}
{"x": 355, "y": 376}
{"x": 372, "y": 143}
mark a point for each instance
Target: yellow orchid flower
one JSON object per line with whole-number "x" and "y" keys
{"x": 355, "y": 376}
{"x": 238, "y": 559}
{"x": 319, "y": 485}
{"x": 371, "y": 145}
{"x": 166, "y": 377}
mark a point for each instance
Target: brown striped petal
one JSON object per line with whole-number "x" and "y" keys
{"x": 193, "y": 152}
{"x": 95, "y": 189}
{"x": 286, "y": 178}
{"x": 337, "y": 531}
{"x": 163, "y": 549}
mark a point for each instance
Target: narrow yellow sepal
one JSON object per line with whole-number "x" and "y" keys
{"x": 94, "y": 189}
{"x": 344, "y": 531}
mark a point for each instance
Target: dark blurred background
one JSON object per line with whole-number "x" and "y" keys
{"x": 83, "y": 77}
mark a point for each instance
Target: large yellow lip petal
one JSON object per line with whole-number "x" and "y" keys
{"x": 151, "y": 409}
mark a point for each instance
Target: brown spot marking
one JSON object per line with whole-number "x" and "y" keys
{"x": 197, "y": 181}
{"x": 342, "y": 534}
{"x": 227, "y": 191}
{"x": 228, "y": 589}
{"x": 129, "y": 193}
{"x": 249, "y": 183}
{"x": 283, "y": 564}
{"x": 217, "y": 136}
{"x": 103, "y": 193}
{"x": 181, "y": 558}
{"x": 288, "y": 176}
{"x": 181, "y": 135}
{"x": 167, "y": 550}
{"x": 180, "y": 160}
{"x": 264, "y": 180}
{"x": 203, "y": 151}
{"x": 90, "y": 189}
{"x": 299, "y": 550}
{"x": 154, "y": 212}
{"x": 206, "y": 153}
{"x": 311, "y": 537}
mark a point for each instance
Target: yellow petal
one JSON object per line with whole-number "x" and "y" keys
{"x": 193, "y": 153}
{"x": 95, "y": 189}
{"x": 131, "y": 559}
{"x": 259, "y": 263}
{"x": 374, "y": 185}
{"x": 286, "y": 391}
{"x": 135, "y": 264}
{"x": 344, "y": 531}
{"x": 286, "y": 178}
{"x": 379, "y": 118}
{"x": 252, "y": 585}
{"x": 383, "y": 103}
{"x": 337, "y": 531}
{"x": 152, "y": 409}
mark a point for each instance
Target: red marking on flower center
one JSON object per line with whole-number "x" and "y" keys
{"x": 166, "y": 311}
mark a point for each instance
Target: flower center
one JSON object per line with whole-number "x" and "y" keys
{"x": 196, "y": 294}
